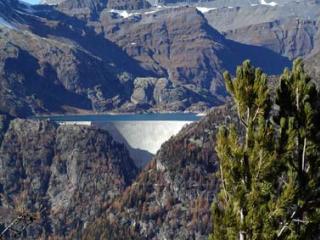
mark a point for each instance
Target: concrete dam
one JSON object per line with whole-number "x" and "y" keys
{"x": 142, "y": 138}
{"x": 142, "y": 134}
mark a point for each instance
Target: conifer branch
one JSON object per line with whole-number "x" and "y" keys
{"x": 259, "y": 165}
{"x": 304, "y": 154}
{"x": 256, "y": 114}
{"x": 224, "y": 185}
{"x": 241, "y": 119}
{"x": 286, "y": 225}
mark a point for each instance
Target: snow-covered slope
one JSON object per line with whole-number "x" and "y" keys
{"x": 4, "y": 23}
{"x": 51, "y": 2}
{"x": 272, "y": 4}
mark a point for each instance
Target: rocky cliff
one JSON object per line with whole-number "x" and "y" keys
{"x": 312, "y": 64}
{"x": 171, "y": 197}
{"x": 115, "y": 58}
{"x": 68, "y": 174}
{"x": 179, "y": 45}
{"x": 291, "y": 37}
{"x": 90, "y": 9}
{"x": 41, "y": 75}
{"x": 288, "y": 28}
{"x": 83, "y": 55}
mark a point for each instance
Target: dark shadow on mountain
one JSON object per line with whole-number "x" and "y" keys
{"x": 42, "y": 87}
{"x": 77, "y": 30}
{"x": 271, "y": 63}
{"x": 139, "y": 156}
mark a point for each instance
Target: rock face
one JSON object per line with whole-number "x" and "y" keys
{"x": 312, "y": 64}
{"x": 90, "y": 9}
{"x": 171, "y": 197}
{"x": 288, "y": 28}
{"x": 65, "y": 67}
{"x": 235, "y": 3}
{"x": 68, "y": 173}
{"x": 173, "y": 43}
{"x": 291, "y": 37}
{"x": 44, "y": 74}
{"x": 87, "y": 9}
{"x": 231, "y": 18}
{"x": 163, "y": 94}
{"x": 128, "y": 4}
{"x": 100, "y": 55}
{"x": 178, "y": 44}
{"x": 84, "y": 56}
{"x": 114, "y": 4}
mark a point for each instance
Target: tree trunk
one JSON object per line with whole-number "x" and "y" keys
{"x": 242, "y": 235}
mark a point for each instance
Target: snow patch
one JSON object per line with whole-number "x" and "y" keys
{"x": 272, "y": 4}
{"x": 151, "y": 12}
{"x": 27, "y": 7}
{"x": 6, "y": 24}
{"x": 123, "y": 13}
{"x": 205, "y": 9}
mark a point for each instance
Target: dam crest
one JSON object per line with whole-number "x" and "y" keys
{"x": 142, "y": 134}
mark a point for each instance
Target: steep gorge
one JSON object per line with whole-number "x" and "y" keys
{"x": 171, "y": 197}
{"x": 68, "y": 174}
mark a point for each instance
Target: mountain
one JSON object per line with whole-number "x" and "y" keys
{"x": 229, "y": 3}
{"x": 312, "y": 64}
{"x": 113, "y": 4}
{"x": 68, "y": 174}
{"x": 178, "y": 44}
{"x": 90, "y": 9}
{"x": 290, "y": 37}
{"x": 171, "y": 197}
{"x": 288, "y": 28}
{"x": 80, "y": 56}
{"x": 233, "y": 17}
{"x": 65, "y": 67}
{"x": 161, "y": 59}
{"x": 45, "y": 75}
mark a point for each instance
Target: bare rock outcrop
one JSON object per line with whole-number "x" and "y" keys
{"x": 67, "y": 173}
{"x": 179, "y": 44}
{"x": 171, "y": 197}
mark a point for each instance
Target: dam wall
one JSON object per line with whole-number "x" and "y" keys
{"x": 142, "y": 134}
{"x": 142, "y": 138}
{"x": 80, "y": 123}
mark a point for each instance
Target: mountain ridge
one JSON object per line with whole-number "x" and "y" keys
{"x": 106, "y": 57}
{"x": 171, "y": 197}
{"x": 68, "y": 174}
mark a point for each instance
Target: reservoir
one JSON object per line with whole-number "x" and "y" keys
{"x": 123, "y": 117}
{"x": 142, "y": 134}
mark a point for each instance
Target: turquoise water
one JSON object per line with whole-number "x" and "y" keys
{"x": 124, "y": 117}
{"x": 32, "y": 1}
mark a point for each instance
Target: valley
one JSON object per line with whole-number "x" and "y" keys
{"x": 110, "y": 113}
{"x": 134, "y": 49}
{"x": 142, "y": 134}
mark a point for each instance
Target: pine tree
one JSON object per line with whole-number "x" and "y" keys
{"x": 269, "y": 172}
{"x": 299, "y": 147}
{"x": 245, "y": 162}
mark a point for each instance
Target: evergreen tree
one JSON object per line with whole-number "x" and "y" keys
{"x": 299, "y": 147}
{"x": 270, "y": 173}
{"x": 245, "y": 162}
